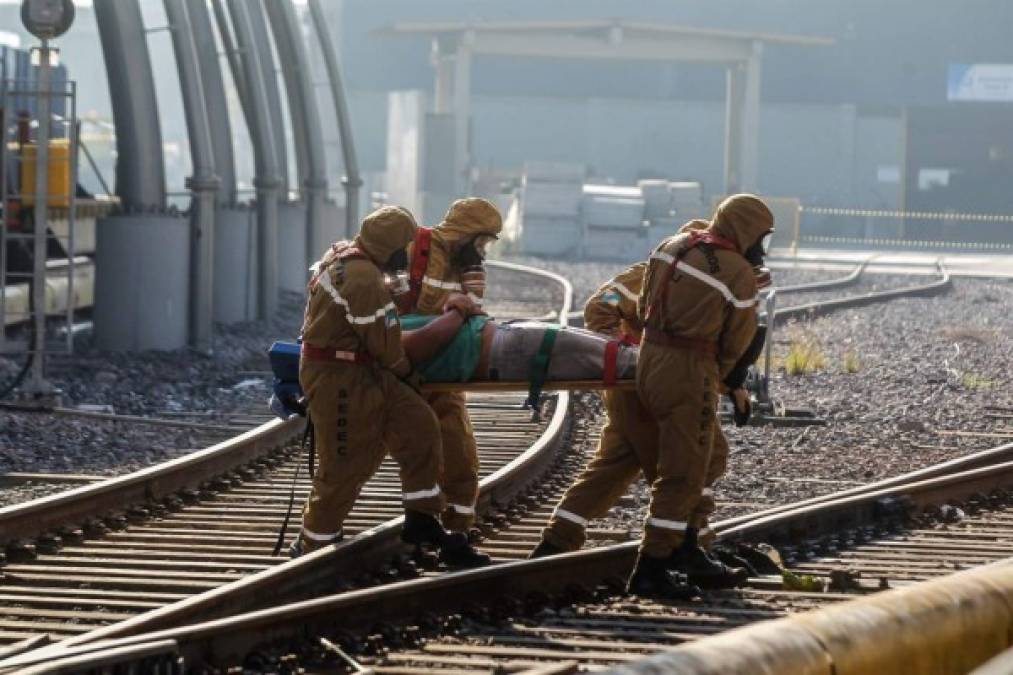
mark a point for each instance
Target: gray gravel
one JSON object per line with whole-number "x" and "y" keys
{"x": 925, "y": 366}
{"x": 179, "y": 385}
{"x": 232, "y": 385}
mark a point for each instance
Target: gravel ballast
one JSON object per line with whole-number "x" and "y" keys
{"x": 923, "y": 368}
{"x": 896, "y": 378}
{"x": 231, "y": 385}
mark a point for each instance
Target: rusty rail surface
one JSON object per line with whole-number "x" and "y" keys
{"x": 877, "y": 524}
{"x": 823, "y": 307}
{"x": 310, "y": 574}
{"x": 781, "y": 524}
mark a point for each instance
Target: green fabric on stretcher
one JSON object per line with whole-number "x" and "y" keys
{"x": 457, "y": 361}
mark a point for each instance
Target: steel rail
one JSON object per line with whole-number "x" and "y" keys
{"x": 507, "y": 494}
{"x": 823, "y": 307}
{"x": 827, "y": 306}
{"x": 29, "y": 519}
{"x": 226, "y": 640}
{"x": 369, "y": 550}
{"x": 847, "y": 280}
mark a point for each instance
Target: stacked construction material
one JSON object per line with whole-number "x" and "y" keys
{"x": 550, "y": 208}
{"x": 669, "y": 205}
{"x": 614, "y": 223}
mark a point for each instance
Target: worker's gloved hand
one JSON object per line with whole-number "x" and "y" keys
{"x": 742, "y": 406}
{"x": 463, "y": 304}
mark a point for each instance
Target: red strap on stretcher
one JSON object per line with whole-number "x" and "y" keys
{"x": 611, "y": 353}
{"x": 629, "y": 339}
{"x": 420, "y": 263}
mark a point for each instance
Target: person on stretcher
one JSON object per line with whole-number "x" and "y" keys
{"x": 465, "y": 345}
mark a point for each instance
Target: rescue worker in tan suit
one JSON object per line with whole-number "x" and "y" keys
{"x": 446, "y": 259}
{"x": 698, "y": 309}
{"x": 357, "y": 380}
{"x": 629, "y": 441}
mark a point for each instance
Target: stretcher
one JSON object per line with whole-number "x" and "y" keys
{"x": 525, "y": 385}
{"x": 286, "y": 400}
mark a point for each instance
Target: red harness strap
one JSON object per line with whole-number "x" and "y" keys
{"x": 611, "y": 354}
{"x": 629, "y": 339}
{"x": 420, "y": 263}
{"x": 695, "y": 238}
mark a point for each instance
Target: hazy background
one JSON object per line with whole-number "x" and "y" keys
{"x": 841, "y": 125}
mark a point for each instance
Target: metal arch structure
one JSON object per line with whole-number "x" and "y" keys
{"x": 247, "y": 41}
{"x": 455, "y": 44}
{"x": 140, "y": 167}
{"x": 305, "y": 121}
{"x": 268, "y": 178}
{"x": 203, "y": 183}
{"x": 352, "y": 180}
{"x": 261, "y": 42}
{"x": 214, "y": 97}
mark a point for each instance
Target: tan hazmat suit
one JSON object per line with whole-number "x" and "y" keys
{"x": 629, "y": 440}
{"x": 360, "y": 407}
{"x": 698, "y": 308}
{"x": 465, "y": 219}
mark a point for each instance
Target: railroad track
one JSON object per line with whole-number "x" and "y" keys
{"x": 862, "y": 544}
{"x": 508, "y": 535}
{"x": 568, "y": 611}
{"x": 195, "y": 535}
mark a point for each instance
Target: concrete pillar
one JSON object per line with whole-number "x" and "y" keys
{"x": 203, "y": 183}
{"x": 142, "y": 282}
{"x": 742, "y": 124}
{"x": 462, "y": 117}
{"x": 750, "y": 148}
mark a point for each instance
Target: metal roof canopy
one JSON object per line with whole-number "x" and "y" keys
{"x": 454, "y": 43}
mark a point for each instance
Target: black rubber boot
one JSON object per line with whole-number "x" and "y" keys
{"x": 421, "y": 528}
{"x": 703, "y": 570}
{"x": 544, "y": 549}
{"x": 456, "y": 551}
{"x": 652, "y": 578}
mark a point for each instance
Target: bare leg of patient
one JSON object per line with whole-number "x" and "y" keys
{"x": 576, "y": 355}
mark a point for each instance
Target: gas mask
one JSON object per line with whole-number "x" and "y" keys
{"x": 397, "y": 262}
{"x": 472, "y": 252}
{"x": 395, "y": 279}
{"x": 469, "y": 259}
{"x": 400, "y": 290}
{"x": 754, "y": 255}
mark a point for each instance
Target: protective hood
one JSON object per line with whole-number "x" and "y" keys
{"x": 385, "y": 231}
{"x": 468, "y": 217}
{"x": 743, "y": 219}
{"x": 694, "y": 225}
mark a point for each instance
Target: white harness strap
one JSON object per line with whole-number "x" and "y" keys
{"x": 325, "y": 283}
{"x": 699, "y": 275}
